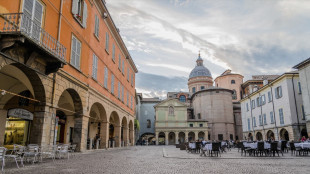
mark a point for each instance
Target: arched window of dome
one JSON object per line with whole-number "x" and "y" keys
{"x": 193, "y": 89}
{"x": 171, "y": 110}
{"x": 233, "y": 82}
{"x": 202, "y": 87}
{"x": 148, "y": 123}
{"x": 234, "y": 95}
{"x": 182, "y": 98}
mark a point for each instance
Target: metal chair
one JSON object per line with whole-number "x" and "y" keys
{"x": 216, "y": 148}
{"x": 2, "y": 156}
{"x": 63, "y": 151}
{"x": 17, "y": 154}
{"x": 32, "y": 151}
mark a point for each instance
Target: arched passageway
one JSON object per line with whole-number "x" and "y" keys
{"x": 161, "y": 138}
{"x": 181, "y": 137}
{"x": 171, "y": 138}
{"x": 284, "y": 134}
{"x": 259, "y": 136}
{"x": 191, "y": 136}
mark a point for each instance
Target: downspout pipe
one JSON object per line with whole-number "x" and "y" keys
{"x": 296, "y": 106}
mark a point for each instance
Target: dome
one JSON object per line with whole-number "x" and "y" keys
{"x": 200, "y": 69}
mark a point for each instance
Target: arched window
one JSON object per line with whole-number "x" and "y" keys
{"x": 148, "y": 123}
{"x": 193, "y": 89}
{"x": 233, "y": 82}
{"x": 171, "y": 110}
{"x": 182, "y": 98}
{"x": 234, "y": 95}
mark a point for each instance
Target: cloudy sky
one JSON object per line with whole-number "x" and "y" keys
{"x": 248, "y": 37}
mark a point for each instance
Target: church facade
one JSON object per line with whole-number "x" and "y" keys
{"x": 212, "y": 112}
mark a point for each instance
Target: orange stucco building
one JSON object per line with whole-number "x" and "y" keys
{"x": 72, "y": 68}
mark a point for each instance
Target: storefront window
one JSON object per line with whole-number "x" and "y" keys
{"x": 16, "y": 132}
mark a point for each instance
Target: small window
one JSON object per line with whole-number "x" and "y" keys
{"x": 95, "y": 66}
{"x": 191, "y": 125}
{"x": 200, "y": 125}
{"x": 193, "y": 89}
{"x": 278, "y": 92}
{"x": 202, "y": 87}
{"x": 233, "y": 82}
{"x": 148, "y": 123}
{"x": 220, "y": 137}
{"x": 299, "y": 88}
{"x": 79, "y": 11}
{"x": 234, "y": 95}
{"x": 107, "y": 41}
{"x": 112, "y": 83}
{"x": 199, "y": 116}
{"x": 182, "y": 98}
{"x": 171, "y": 110}
{"x": 106, "y": 76}
{"x": 75, "y": 52}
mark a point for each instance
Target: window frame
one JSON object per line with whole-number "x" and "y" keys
{"x": 95, "y": 67}
{"x": 75, "y": 52}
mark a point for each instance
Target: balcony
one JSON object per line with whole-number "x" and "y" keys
{"x": 22, "y": 29}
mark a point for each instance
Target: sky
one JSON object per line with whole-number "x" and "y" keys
{"x": 250, "y": 37}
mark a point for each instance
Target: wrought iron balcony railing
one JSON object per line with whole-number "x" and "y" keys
{"x": 20, "y": 23}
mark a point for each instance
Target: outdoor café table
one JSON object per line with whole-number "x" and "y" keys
{"x": 302, "y": 145}
{"x": 192, "y": 145}
{"x": 223, "y": 143}
{"x": 254, "y": 145}
{"x": 207, "y": 147}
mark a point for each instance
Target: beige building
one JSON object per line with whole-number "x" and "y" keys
{"x": 304, "y": 88}
{"x": 172, "y": 126}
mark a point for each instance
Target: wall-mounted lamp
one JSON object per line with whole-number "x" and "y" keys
{"x": 105, "y": 15}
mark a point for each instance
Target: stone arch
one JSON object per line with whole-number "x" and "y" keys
{"x": 161, "y": 138}
{"x": 131, "y": 133}
{"x": 171, "y": 138}
{"x": 259, "y": 136}
{"x": 201, "y": 135}
{"x": 191, "y": 136}
{"x": 270, "y": 135}
{"x": 97, "y": 117}
{"x": 284, "y": 134}
{"x": 18, "y": 79}
{"x": 124, "y": 132}
{"x": 181, "y": 137}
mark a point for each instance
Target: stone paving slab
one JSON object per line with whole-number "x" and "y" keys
{"x": 162, "y": 160}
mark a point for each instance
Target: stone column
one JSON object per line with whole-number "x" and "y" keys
{"x": 157, "y": 135}
{"x": 80, "y": 132}
{"x": 206, "y": 135}
{"x": 166, "y": 138}
{"x": 132, "y": 137}
{"x": 176, "y": 137}
{"x": 3, "y": 114}
{"x": 117, "y": 130}
{"x": 104, "y": 135}
{"x": 196, "y": 135}
{"x": 186, "y": 136}
{"x": 126, "y": 135}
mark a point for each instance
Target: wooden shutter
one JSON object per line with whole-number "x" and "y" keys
{"x": 112, "y": 84}
{"x": 276, "y": 93}
{"x": 84, "y": 14}
{"x": 106, "y": 77}
{"x": 28, "y": 7}
{"x": 96, "y": 26}
{"x": 119, "y": 62}
{"x": 280, "y": 91}
{"x": 75, "y": 7}
{"x": 73, "y": 49}
{"x": 78, "y": 54}
{"x": 113, "y": 52}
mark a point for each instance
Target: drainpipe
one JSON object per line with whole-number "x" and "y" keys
{"x": 296, "y": 106}
{"x": 274, "y": 113}
{"x": 59, "y": 20}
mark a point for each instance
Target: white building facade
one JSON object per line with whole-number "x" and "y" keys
{"x": 275, "y": 111}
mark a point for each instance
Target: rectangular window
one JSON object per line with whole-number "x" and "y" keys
{"x": 96, "y": 26}
{"x": 271, "y": 117}
{"x": 191, "y": 125}
{"x": 263, "y": 99}
{"x": 128, "y": 74}
{"x": 254, "y": 121}
{"x": 127, "y": 99}
{"x": 79, "y": 11}
{"x": 199, "y": 116}
{"x": 33, "y": 10}
{"x": 253, "y": 104}
{"x": 269, "y": 96}
{"x": 113, "y": 53}
{"x": 278, "y": 92}
{"x": 299, "y": 88}
{"x": 200, "y": 125}
{"x": 258, "y": 101}
{"x": 131, "y": 102}
{"x": 220, "y": 137}
{"x": 281, "y": 116}
{"x": 107, "y": 41}
{"x": 148, "y": 123}
{"x": 106, "y": 76}
{"x": 119, "y": 90}
{"x": 249, "y": 124}
{"x": 123, "y": 66}
{"x": 75, "y": 52}
{"x": 95, "y": 66}
{"x": 112, "y": 83}
{"x": 265, "y": 119}
{"x": 303, "y": 112}
{"x": 119, "y": 62}
{"x": 260, "y": 120}
{"x": 122, "y": 93}
{"x": 247, "y": 106}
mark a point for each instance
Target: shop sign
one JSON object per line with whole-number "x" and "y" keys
{"x": 20, "y": 113}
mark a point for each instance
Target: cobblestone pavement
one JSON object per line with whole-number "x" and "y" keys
{"x": 165, "y": 159}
